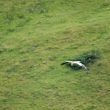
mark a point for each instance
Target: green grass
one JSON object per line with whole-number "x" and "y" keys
{"x": 36, "y": 36}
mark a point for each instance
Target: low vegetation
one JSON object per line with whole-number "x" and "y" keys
{"x": 36, "y": 36}
{"x": 89, "y": 57}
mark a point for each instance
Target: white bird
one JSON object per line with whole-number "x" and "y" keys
{"x": 72, "y": 63}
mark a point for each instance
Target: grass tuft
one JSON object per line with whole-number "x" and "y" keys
{"x": 89, "y": 57}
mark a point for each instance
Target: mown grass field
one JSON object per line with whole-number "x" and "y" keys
{"x": 36, "y": 36}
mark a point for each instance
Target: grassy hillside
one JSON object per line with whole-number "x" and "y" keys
{"x": 36, "y": 36}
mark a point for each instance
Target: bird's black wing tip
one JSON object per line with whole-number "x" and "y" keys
{"x": 63, "y": 63}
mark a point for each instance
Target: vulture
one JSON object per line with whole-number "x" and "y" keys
{"x": 75, "y": 63}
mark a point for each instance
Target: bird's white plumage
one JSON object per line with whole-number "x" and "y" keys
{"x": 72, "y": 63}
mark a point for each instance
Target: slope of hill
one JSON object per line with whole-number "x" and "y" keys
{"x": 35, "y": 37}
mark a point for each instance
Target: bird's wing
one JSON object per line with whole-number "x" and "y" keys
{"x": 82, "y": 65}
{"x": 85, "y": 67}
{"x": 78, "y": 63}
{"x": 63, "y": 63}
